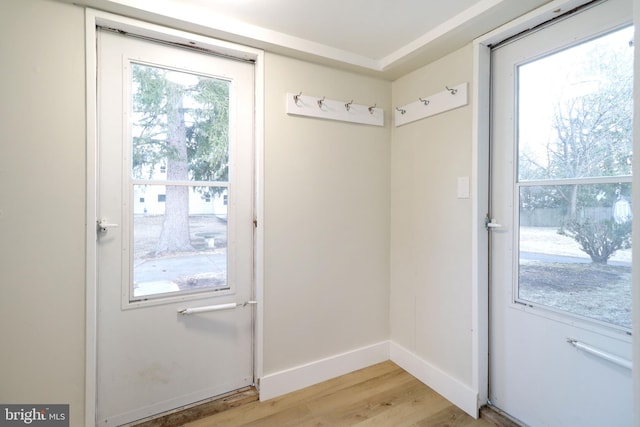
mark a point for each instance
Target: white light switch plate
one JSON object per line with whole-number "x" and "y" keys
{"x": 463, "y": 187}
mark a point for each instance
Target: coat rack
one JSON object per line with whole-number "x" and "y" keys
{"x": 322, "y": 108}
{"x": 448, "y": 99}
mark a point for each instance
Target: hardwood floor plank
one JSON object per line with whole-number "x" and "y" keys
{"x": 381, "y": 395}
{"x": 252, "y": 412}
{"x": 360, "y": 392}
{"x": 361, "y": 401}
{"x": 375, "y": 405}
{"x": 420, "y": 404}
{"x": 291, "y": 416}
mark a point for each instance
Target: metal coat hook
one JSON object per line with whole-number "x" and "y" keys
{"x": 298, "y": 104}
{"x": 348, "y": 105}
{"x": 421, "y": 107}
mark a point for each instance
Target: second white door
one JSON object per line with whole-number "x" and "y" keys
{"x": 560, "y": 344}
{"x": 175, "y": 227}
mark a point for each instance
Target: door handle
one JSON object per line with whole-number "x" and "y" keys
{"x": 491, "y": 223}
{"x": 620, "y": 361}
{"x": 218, "y": 307}
{"x": 104, "y": 226}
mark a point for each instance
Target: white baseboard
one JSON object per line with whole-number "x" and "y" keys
{"x": 283, "y": 382}
{"x": 456, "y": 392}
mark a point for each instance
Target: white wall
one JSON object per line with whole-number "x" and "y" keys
{"x": 326, "y": 219}
{"x": 430, "y": 226}
{"x": 42, "y": 204}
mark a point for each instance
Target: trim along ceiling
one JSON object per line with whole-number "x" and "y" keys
{"x": 385, "y": 38}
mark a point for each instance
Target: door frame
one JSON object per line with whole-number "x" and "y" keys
{"x": 481, "y": 133}
{"x": 95, "y": 18}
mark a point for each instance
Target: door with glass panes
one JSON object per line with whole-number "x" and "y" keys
{"x": 560, "y": 306}
{"x": 175, "y": 227}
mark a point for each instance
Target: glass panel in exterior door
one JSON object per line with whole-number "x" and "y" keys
{"x": 202, "y": 267}
{"x": 585, "y": 267}
{"x": 574, "y": 179}
{"x": 179, "y": 181}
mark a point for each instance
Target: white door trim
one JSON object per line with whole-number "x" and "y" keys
{"x": 94, "y": 18}
{"x": 481, "y": 89}
{"x": 635, "y": 341}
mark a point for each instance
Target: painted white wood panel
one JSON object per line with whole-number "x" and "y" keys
{"x": 450, "y": 98}
{"x": 345, "y": 111}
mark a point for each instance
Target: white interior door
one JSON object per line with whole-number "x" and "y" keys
{"x": 560, "y": 305}
{"x": 175, "y": 227}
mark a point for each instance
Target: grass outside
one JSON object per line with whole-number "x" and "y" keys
{"x": 596, "y": 291}
{"x": 207, "y": 232}
{"x": 204, "y": 267}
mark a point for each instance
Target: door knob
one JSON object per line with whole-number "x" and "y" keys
{"x": 104, "y": 225}
{"x": 491, "y": 223}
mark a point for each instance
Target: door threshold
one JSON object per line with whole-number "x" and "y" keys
{"x": 200, "y": 409}
{"x": 497, "y": 417}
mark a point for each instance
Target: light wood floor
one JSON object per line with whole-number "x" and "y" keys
{"x": 381, "y": 395}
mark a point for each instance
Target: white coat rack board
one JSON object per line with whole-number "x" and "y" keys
{"x": 448, "y": 99}
{"x": 322, "y": 108}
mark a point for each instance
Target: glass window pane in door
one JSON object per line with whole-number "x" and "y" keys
{"x": 180, "y": 125}
{"x": 574, "y": 143}
{"x": 179, "y": 135}
{"x": 197, "y": 260}
{"x": 575, "y": 111}
{"x": 577, "y": 262}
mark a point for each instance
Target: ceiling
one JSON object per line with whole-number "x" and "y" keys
{"x": 383, "y": 37}
{"x": 370, "y": 28}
